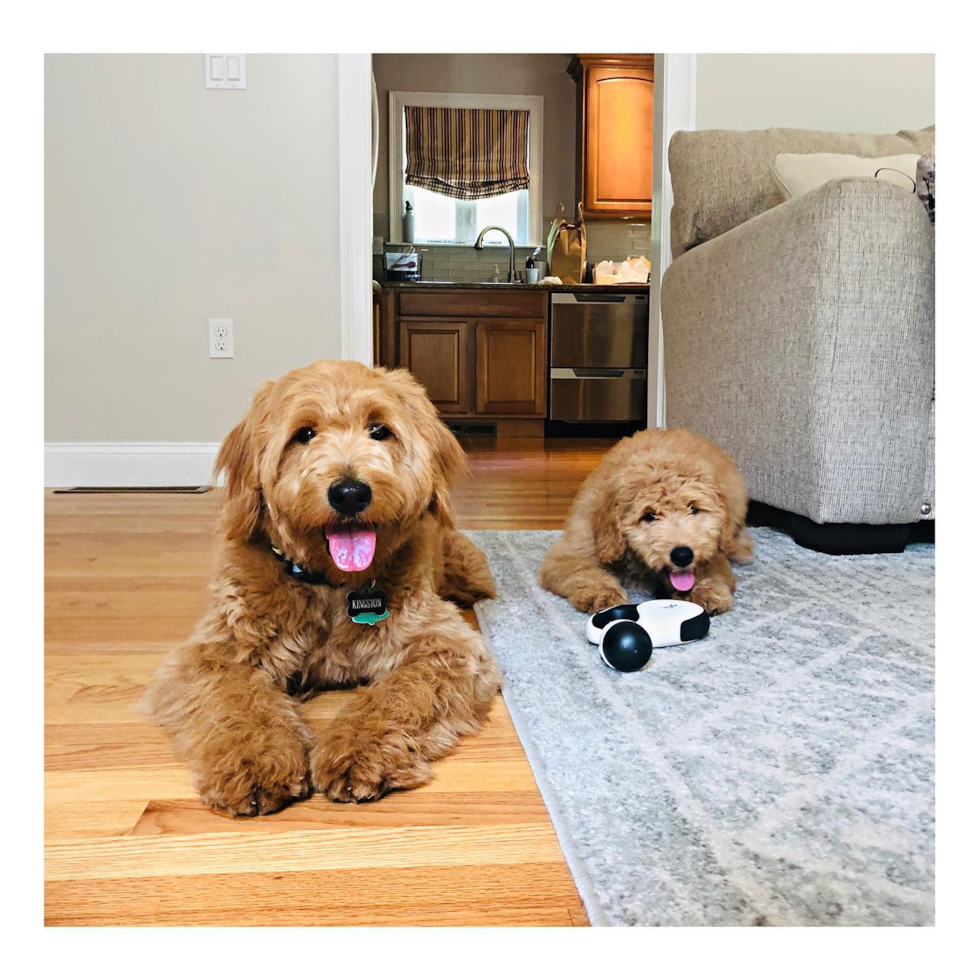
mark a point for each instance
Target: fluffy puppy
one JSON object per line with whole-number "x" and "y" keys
{"x": 664, "y": 510}
{"x": 337, "y": 478}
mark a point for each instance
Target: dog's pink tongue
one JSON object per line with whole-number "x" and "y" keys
{"x": 352, "y": 551}
{"x": 682, "y": 581}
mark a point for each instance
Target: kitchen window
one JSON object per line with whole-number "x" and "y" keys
{"x": 455, "y": 218}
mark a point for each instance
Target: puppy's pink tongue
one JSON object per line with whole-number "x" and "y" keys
{"x": 352, "y": 551}
{"x": 682, "y": 581}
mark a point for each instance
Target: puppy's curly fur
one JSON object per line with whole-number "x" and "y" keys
{"x": 652, "y": 493}
{"x": 226, "y": 692}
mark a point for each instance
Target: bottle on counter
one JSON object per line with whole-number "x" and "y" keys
{"x": 408, "y": 224}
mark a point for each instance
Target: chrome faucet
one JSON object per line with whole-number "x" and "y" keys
{"x": 479, "y": 247}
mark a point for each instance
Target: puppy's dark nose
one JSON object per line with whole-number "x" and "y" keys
{"x": 349, "y": 496}
{"x": 682, "y": 557}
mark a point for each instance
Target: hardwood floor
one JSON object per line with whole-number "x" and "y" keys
{"x": 128, "y": 843}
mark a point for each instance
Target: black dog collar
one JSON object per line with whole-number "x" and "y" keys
{"x": 297, "y": 571}
{"x": 367, "y": 605}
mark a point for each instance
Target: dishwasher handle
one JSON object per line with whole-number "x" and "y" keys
{"x": 570, "y": 374}
{"x": 582, "y": 299}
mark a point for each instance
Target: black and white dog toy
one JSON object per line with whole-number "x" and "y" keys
{"x": 626, "y": 635}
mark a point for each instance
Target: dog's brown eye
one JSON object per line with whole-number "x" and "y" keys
{"x": 378, "y": 431}
{"x": 303, "y": 435}
{"x": 692, "y": 508}
{"x": 649, "y": 517}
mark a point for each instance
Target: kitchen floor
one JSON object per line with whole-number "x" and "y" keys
{"x": 128, "y": 843}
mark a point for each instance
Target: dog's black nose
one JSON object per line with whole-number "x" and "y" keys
{"x": 682, "y": 557}
{"x": 349, "y": 496}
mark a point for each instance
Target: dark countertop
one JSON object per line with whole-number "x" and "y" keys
{"x": 583, "y": 287}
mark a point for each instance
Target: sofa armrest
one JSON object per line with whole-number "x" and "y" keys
{"x": 802, "y": 341}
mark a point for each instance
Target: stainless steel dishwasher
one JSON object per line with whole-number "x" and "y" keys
{"x": 599, "y": 356}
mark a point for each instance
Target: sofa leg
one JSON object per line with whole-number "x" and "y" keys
{"x": 849, "y": 539}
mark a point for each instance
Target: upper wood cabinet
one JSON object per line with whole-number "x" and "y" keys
{"x": 614, "y": 164}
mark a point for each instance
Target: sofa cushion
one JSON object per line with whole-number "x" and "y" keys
{"x": 721, "y": 177}
{"x": 800, "y": 173}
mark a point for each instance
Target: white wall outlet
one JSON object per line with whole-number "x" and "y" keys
{"x": 221, "y": 338}
{"x": 224, "y": 71}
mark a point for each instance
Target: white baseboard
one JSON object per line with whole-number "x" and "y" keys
{"x": 128, "y": 464}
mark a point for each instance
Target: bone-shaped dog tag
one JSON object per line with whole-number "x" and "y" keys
{"x": 367, "y": 605}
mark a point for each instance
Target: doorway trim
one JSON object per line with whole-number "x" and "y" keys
{"x": 675, "y": 101}
{"x": 355, "y": 199}
{"x": 674, "y": 108}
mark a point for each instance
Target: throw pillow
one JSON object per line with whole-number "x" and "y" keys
{"x": 799, "y": 173}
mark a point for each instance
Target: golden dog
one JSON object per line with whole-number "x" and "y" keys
{"x": 338, "y": 480}
{"x": 664, "y": 510}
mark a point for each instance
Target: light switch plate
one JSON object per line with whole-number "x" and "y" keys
{"x": 224, "y": 71}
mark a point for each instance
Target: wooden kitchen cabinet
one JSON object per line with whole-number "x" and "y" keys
{"x": 440, "y": 355}
{"x": 510, "y": 367}
{"x": 480, "y": 353}
{"x": 614, "y": 163}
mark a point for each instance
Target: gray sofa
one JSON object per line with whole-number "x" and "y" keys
{"x": 800, "y": 335}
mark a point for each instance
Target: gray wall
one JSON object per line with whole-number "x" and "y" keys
{"x": 870, "y": 93}
{"x": 166, "y": 204}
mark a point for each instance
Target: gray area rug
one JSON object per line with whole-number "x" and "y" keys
{"x": 778, "y": 772}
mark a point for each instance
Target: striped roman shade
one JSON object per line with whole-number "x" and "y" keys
{"x": 466, "y": 153}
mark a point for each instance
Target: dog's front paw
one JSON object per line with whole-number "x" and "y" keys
{"x": 256, "y": 780}
{"x": 352, "y": 764}
{"x": 593, "y": 602}
{"x": 713, "y": 599}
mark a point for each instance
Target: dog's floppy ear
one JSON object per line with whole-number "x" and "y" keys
{"x": 238, "y": 458}
{"x": 729, "y": 532}
{"x": 733, "y": 507}
{"x": 244, "y": 503}
{"x": 609, "y": 543}
{"x": 450, "y": 463}
{"x": 734, "y": 541}
{"x": 448, "y": 459}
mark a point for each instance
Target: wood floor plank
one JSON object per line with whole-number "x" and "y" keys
{"x": 92, "y": 818}
{"x": 88, "y": 786}
{"x": 297, "y": 850}
{"x": 478, "y": 807}
{"x": 128, "y": 841}
{"x": 470, "y": 894}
